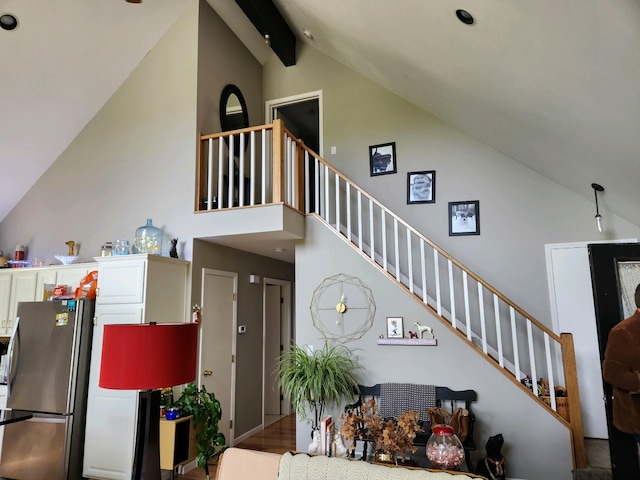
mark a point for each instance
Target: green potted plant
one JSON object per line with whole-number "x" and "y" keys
{"x": 317, "y": 380}
{"x": 206, "y": 412}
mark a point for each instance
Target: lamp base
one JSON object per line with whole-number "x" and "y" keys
{"x": 146, "y": 462}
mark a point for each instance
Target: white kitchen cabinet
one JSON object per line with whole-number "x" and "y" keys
{"x": 27, "y": 285}
{"x": 131, "y": 289}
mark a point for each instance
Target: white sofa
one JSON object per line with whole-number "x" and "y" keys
{"x": 243, "y": 464}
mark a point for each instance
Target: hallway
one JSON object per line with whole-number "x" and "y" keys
{"x": 279, "y": 437}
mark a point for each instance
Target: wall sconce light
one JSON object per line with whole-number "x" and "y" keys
{"x": 598, "y": 188}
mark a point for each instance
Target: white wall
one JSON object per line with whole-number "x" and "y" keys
{"x": 136, "y": 159}
{"x": 520, "y": 211}
{"x": 536, "y": 445}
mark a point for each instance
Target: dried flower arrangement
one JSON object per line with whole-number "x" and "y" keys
{"x": 393, "y": 437}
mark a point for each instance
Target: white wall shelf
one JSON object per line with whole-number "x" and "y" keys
{"x": 408, "y": 341}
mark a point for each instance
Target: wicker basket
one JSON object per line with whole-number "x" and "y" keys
{"x": 562, "y": 406}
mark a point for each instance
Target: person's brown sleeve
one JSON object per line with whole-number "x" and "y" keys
{"x": 617, "y": 367}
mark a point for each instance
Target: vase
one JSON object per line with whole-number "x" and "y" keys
{"x": 148, "y": 239}
{"x": 382, "y": 456}
{"x": 444, "y": 449}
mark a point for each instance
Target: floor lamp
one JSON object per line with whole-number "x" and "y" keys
{"x": 147, "y": 357}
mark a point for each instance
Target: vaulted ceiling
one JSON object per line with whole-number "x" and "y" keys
{"x": 553, "y": 85}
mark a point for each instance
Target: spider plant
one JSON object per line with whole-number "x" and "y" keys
{"x": 314, "y": 381}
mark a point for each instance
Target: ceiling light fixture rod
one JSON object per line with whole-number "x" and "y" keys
{"x": 598, "y": 188}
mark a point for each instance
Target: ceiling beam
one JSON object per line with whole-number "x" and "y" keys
{"x": 268, "y": 21}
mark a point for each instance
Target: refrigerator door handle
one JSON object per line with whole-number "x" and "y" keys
{"x": 11, "y": 347}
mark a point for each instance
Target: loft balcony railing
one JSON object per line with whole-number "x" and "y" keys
{"x": 267, "y": 165}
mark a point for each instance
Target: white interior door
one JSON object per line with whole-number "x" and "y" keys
{"x": 218, "y": 343}
{"x": 573, "y": 311}
{"x": 272, "y": 313}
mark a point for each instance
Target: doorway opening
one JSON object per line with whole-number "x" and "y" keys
{"x": 302, "y": 116}
{"x": 277, "y": 334}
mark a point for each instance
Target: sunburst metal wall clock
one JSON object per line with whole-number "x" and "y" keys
{"x": 342, "y": 308}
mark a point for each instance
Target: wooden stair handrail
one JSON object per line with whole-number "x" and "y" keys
{"x": 565, "y": 339}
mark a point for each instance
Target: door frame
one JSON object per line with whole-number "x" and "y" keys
{"x": 604, "y": 260}
{"x": 234, "y": 328}
{"x": 272, "y": 105}
{"x": 286, "y": 333}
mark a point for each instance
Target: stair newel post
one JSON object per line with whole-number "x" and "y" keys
{"x": 573, "y": 398}
{"x": 277, "y": 163}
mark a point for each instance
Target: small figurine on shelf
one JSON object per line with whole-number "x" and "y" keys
{"x": 71, "y": 244}
{"x": 412, "y": 334}
{"x": 196, "y": 313}
{"x": 424, "y": 328}
{"x": 173, "y": 253}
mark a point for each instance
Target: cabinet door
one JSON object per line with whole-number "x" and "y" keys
{"x": 5, "y": 295}
{"x": 23, "y": 289}
{"x": 111, "y": 414}
{"x": 71, "y": 276}
{"x": 45, "y": 277}
{"x": 121, "y": 281}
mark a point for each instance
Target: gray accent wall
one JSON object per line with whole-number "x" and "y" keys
{"x": 536, "y": 444}
{"x": 520, "y": 210}
{"x": 250, "y": 310}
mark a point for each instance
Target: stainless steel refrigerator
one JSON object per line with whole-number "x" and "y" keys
{"x": 49, "y": 355}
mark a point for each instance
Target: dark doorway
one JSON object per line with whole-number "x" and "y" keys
{"x": 611, "y": 268}
{"x": 303, "y": 120}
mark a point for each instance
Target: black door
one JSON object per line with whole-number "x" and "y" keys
{"x": 613, "y": 267}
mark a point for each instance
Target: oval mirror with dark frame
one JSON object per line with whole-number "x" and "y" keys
{"x": 233, "y": 113}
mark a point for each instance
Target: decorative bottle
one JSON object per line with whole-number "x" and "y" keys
{"x": 148, "y": 239}
{"x": 444, "y": 449}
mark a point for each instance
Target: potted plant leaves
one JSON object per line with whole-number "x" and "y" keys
{"x": 314, "y": 381}
{"x": 206, "y": 412}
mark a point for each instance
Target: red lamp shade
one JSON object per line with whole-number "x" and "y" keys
{"x": 147, "y": 356}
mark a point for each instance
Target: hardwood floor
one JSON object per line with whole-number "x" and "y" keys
{"x": 279, "y": 437}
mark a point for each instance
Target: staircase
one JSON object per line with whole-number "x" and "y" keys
{"x": 279, "y": 169}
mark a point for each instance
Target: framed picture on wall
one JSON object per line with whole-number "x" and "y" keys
{"x": 395, "y": 328}
{"x": 464, "y": 218}
{"x": 382, "y": 159}
{"x": 421, "y": 187}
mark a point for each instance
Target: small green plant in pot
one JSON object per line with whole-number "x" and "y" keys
{"x": 321, "y": 379}
{"x": 207, "y": 413}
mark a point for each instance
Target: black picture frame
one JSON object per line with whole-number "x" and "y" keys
{"x": 382, "y": 159}
{"x": 464, "y": 218}
{"x": 421, "y": 187}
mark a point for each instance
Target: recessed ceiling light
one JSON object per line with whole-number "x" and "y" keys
{"x": 307, "y": 33}
{"x": 8, "y": 21}
{"x": 465, "y": 17}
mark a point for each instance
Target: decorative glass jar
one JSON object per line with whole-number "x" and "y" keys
{"x": 148, "y": 239}
{"x": 444, "y": 449}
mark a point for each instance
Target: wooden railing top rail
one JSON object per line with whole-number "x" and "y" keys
{"x": 237, "y": 132}
{"x": 363, "y": 192}
{"x": 444, "y": 253}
